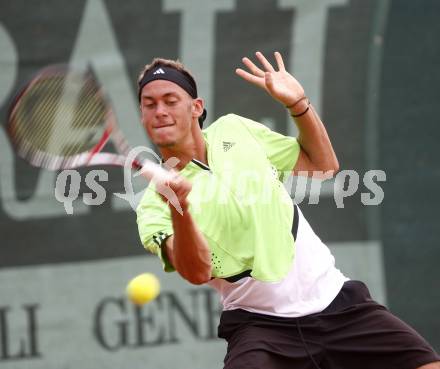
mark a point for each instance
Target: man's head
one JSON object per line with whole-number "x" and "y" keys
{"x": 170, "y": 106}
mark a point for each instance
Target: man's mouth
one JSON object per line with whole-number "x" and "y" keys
{"x": 159, "y": 126}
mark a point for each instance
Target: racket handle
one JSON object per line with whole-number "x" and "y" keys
{"x": 155, "y": 173}
{"x": 89, "y": 160}
{"x": 150, "y": 170}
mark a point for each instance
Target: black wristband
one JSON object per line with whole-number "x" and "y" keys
{"x": 296, "y": 102}
{"x": 301, "y": 114}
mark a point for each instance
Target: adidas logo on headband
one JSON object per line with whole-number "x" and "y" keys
{"x": 159, "y": 71}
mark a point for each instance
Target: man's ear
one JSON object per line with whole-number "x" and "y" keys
{"x": 197, "y": 107}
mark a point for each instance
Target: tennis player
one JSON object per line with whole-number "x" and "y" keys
{"x": 285, "y": 304}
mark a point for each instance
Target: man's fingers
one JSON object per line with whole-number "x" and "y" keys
{"x": 269, "y": 81}
{"x": 259, "y": 81}
{"x": 264, "y": 62}
{"x": 168, "y": 195}
{"x": 175, "y": 191}
{"x": 252, "y": 67}
{"x": 181, "y": 186}
{"x": 280, "y": 61}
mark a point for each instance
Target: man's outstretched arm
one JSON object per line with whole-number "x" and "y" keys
{"x": 187, "y": 249}
{"x": 316, "y": 153}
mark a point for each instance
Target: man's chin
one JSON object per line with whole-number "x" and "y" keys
{"x": 165, "y": 144}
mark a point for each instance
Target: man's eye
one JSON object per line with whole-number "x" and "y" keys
{"x": 149, "y": 106}
{"x": 172, "y": 102}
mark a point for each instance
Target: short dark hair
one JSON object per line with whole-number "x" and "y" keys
{"x": 156, "y": 62}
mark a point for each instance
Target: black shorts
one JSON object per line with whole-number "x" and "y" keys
{"x": 353, "y": 332}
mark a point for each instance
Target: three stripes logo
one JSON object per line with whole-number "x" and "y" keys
{"x": 227, "y": 145}
{"x": 159, "y": 71}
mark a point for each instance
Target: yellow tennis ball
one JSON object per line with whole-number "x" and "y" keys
{"x": 143, "y": 288}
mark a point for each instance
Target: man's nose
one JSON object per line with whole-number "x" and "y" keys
{"x": 161, "y": 109}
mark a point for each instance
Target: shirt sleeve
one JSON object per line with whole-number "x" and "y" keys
{"x": 154, "y": 225}
{"x": 282, "y": 151}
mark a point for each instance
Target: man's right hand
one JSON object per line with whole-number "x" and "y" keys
{"x": 187, "y": 249}
{"x": 175, "y": 192}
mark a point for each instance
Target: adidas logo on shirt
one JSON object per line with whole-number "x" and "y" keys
{"x": 159, "y": 71}
{"x": 227, "y": 145}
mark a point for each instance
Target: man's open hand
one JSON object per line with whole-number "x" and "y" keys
{"x": 281, "y": 85}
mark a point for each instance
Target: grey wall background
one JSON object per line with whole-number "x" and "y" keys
{"x": 370, "y": 68}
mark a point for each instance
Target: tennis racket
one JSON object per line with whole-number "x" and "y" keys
{"x": 62, "y": 119}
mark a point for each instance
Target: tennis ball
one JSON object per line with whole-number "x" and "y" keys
{"x": 143, "y": 288}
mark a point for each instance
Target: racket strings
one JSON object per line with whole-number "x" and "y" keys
{"x": 31, "y": 109}
{"x": 46, "y": 113}
{"x": 87, "y": 115}
{"x": 84, "y": 114}
{"x": 37, "y": 118}
{"x": 35, "y": 114}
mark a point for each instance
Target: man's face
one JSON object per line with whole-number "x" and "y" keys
{"x": 166, "y": 112}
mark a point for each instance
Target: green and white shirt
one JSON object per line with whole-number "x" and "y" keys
{"x": 238, "y": 201}
{"x": 245, "y": 213}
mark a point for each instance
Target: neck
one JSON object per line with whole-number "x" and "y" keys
{"x": 192, "y": 148}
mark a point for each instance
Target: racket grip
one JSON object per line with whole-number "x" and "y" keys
{"x": 155, "y": 173}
